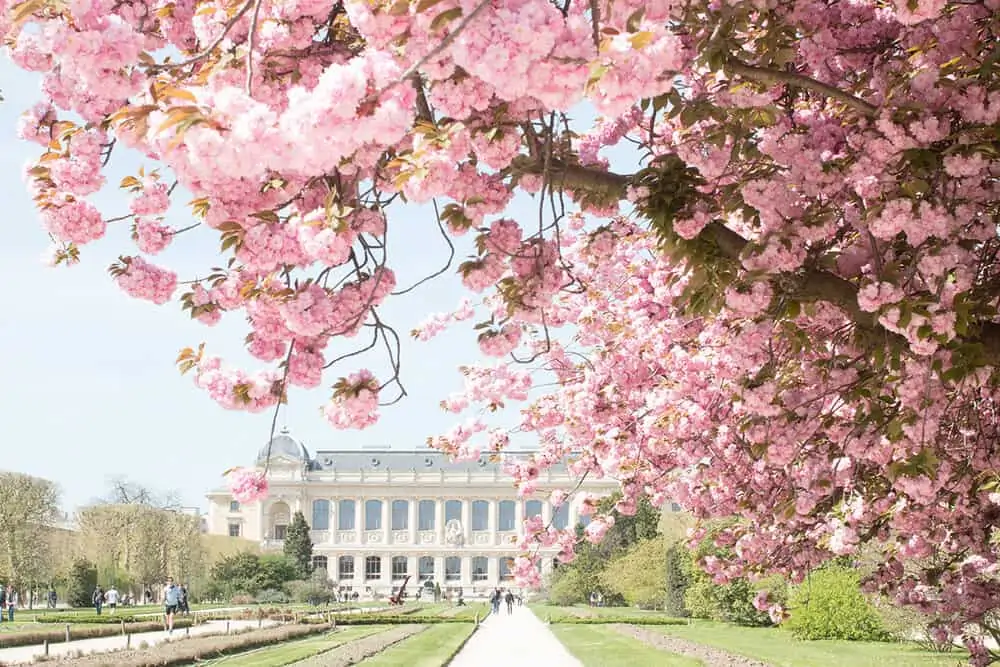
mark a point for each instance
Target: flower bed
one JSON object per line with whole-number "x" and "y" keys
{"x": 89, "y": 631}
{"x": 187, "y": 651}
{"x": 390, "y": 619}
{"x": 611, "y": 620}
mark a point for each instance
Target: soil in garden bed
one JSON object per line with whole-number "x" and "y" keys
{"x": 361, "y": 649}
{"x": 707, "y": 654}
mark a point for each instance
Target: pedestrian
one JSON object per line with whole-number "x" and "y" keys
{"x": 171, "y": 600}
{"x": 509, "y": 599}
{"x": 11, "y": 602}
{"x": 3, "y": 601}
{"x": 183, "y": 606}
{"x": 111, "y": 597}
{"x": 52, "y": 598}
{"x": 98, "y": 599}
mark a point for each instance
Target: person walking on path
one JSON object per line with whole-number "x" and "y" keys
{"x": 112, "y": 598}
{"x": 171, "y": 600}
{"x": 98, "y": 599}
{"x": 11, "y": 602}
{"x": 509, "y": 599}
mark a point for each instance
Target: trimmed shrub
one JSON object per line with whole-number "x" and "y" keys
{"x": 678, "y": 580}
{"x": 88, "y": 631}
{"x": 830, "y": 605}
{"x": 196, "y": 649}
{"x": 81, "y": 584}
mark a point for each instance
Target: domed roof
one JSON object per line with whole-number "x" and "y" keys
{"x": 285, "y": 445}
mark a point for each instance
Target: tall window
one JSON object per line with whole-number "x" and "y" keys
{"x": 453, "y": 511}
{"x": 452, "y": 568}
{"x": 345, "y": 567}
{"x": 480, "y": 515}
{"x": 674, "y": 507}
{"x": 320, "y": 563}
{"x": 234, "y": 506}
{"x": 425, "y": 568}
{"x": 532, "y": 508}
{"x": 280, "y": 532}
{"x": 373, "y": 515}
{"x": 345, "y": 515}
{"x": 426, "y": 511}
{"x": 234, "y": 529}
{"x": 373, "y": 567}
{"x": 480, "y": 568}
{"x": 321, "y": 514}
{"x": 399, "y": 567}
{"x": 506, "y": 518}
{"x": 400, "y": 514}
{"x": 506, "y": 568}
{"x": 560, "y": 516}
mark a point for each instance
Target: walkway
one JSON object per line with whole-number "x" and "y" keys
{"x": 25, "y": 654}
{"x": 518, "y": 639}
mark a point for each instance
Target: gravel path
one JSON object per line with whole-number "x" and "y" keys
{"x": 708, "y": 655}
{"x": 356, "y": 651}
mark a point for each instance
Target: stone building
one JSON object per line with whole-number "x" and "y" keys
{"x": 380, "y": 514}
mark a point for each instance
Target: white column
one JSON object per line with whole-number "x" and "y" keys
{"x": 412, "y": 569}
{"x": 519, "y": 517}
{"x": 492, "y": 522}
{"x": 439, "y": 570}
{"x": 493, "y": 571}
{"x": 359, "y": 520}
{"x": 439, "y": 521}
{"x": 333, "y": 537}
{"x": 466, "y": 580}
{"x": 414, "y": 504}
{"x": 546, "y": 512}
{"x": 386, "y": 521}
{"x": 467, "y": 520}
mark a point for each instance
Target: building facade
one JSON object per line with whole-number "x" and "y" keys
{"x": 378, "y": 515}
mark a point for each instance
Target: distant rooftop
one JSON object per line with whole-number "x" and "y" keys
{"x": 381, "y": 457}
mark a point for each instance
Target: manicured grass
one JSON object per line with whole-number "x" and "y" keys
{"x": 600, "y": 646}
{"x": 779, "y": 648}
{"x": 430, "y": 648}
{"x": 289, "y": 652}
{"x": 471, "y": 610}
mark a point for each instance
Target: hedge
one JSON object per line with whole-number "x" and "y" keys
{"x": 628, "y": 620}
{"x": 195, "y": 649}
{"x": 388, "y": 619}
{"x": 91, "y": 631}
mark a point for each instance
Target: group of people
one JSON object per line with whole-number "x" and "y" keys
{"x": 8, "y": 602}
{"x": 500, "y": 596}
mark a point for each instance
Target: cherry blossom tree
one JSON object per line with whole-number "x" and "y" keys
{"x": 786, "y": 314}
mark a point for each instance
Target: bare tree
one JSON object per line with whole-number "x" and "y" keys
{"x": 123, "y": 491}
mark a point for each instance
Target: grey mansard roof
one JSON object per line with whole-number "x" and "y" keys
{"x": 380, "y": 458}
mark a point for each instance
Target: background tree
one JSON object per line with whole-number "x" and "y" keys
{"x": 81, "y": 581}
{"x": 29, "y": 508}
{"x": 298, "y": 544}
{"x": 678, "y": 579}
{"x": 639, "y": 575}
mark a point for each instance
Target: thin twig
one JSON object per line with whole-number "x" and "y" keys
{"x": 451, "y": 256}
{"x": 277, "y": 406}
{"x": 211, "y": 47}
{"x": 251, "y": 38}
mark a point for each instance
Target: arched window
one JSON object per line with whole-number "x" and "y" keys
{"x": 532, "y": 508}
{"x": 399, "y": 567}
{"x": 319, "y": 563}
{"x": 373, "y": 515}
{"x": 321, "y": 514}
{"x": 480, "y": 568}
{"x": 427, "y": 509}
{"x": 506, "y": 568}
{"x": 453, "y": 511}
{"x": 560, "y": 516}
{"x": 452, "y": 568}
{"x": 480, "y": 515}
{"x": 280, "y": 517}
{"x": 425, "y": 568}
{"x": 345, "y": 567}
{"x": 400, "y": 514}
{"x": 507, "y": 518}
{"x": 345, "y": 515}
{"x": 373, "y": 568}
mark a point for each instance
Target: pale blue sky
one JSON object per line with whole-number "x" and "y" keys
{"x": 91, "y": 390}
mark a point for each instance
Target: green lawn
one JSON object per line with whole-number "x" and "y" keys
{"x": 600, "y": 646}
{"x": 779, "y": 648}
{"x": 431, "y": 648}
{"x": 289, "y": 652}
{"x": 471, "y": 610}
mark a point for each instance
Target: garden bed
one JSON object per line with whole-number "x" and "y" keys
{"x": 356, "y": 651}
{"x": 707, "y": 654}
{"x": 87, "y": 631}
{"x": 389, "y": 619}
{"x": 188, "y": 651}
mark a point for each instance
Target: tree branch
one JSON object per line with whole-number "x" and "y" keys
{"x": 766, "y": 75}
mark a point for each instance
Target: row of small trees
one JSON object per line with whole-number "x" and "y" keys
{"x": 645, "y": 562}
